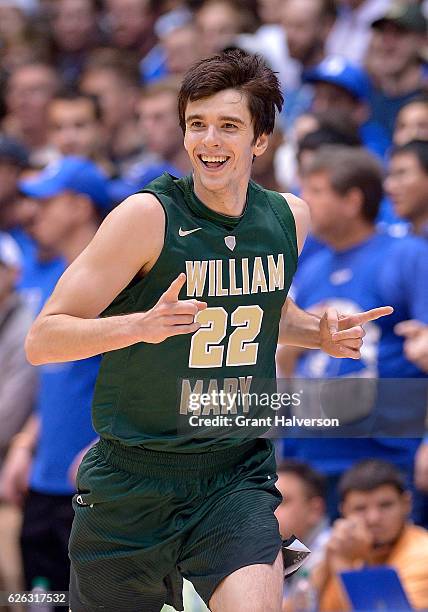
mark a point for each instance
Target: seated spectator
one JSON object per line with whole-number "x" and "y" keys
{"x": 375, "y": 530}
{"x": 29, "y": 89}
{"x": 407, "y": 184}
{"x": 412, "y": 121}
{"x": 75, "y": 128}
{"x": 344, "y": 88}
{"x": 303, "y": 510}
{"x": 112, "y": 76}
{"x": 395, "y": 61}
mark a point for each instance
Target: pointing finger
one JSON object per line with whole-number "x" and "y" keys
{"x": 364, "y": 317}
{"x": 171, "y": 294}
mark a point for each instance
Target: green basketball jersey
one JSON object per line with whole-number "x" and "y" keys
{"x": 242, "y": 267}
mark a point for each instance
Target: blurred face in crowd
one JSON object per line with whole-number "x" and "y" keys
{"x": 158, "y": 123}
{"x": 221, "y": 127}
{"x": 407, "y": 186}
{"x": 302, "y": 22}
{"x": 29, "y": 90}
{"x": 54, "y": 220}
{"x": 383, "y": 510}
{"x": 395, "y": 49}
{"x": 74, "y": 24}
{"x": 218, "y": 24}
{"x": 268, "y": 10}
{"x": 331, "y": 212}
{"x": 128, "y": 21}
{"x": 411, "y": 123}
{"x": 182, "y": 49}
{"x": 328, "y": 97}
{"x": 116, "y": 98}
{"x": 299, "y": 512}
{"x": 73, "y": 127}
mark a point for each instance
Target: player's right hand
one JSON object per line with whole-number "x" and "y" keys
{"x": 171, "y": 316}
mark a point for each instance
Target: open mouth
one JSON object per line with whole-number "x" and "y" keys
{"x": 213, "y": 161}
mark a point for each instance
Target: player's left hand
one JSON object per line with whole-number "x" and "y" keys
{"x": 342, "y": 335}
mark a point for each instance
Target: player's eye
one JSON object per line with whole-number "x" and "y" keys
{"x": 230, "y": 126}
{"x": 196, "y": 124}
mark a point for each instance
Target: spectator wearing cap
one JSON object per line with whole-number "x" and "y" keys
{"x": 343, "y": 88}
{"x": 72, "y": 199}
{"x": 395, "y": 60}
{"x": 17, "y": 393}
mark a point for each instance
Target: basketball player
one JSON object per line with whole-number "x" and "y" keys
{"x": 191, "y": 277}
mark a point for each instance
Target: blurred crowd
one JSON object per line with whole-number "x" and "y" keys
{"x": 88, "y": 116}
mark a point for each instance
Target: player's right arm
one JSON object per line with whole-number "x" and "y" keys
{"x": 128, "y": 242}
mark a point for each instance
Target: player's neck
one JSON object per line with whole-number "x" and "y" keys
{"x": 228, "y": 201}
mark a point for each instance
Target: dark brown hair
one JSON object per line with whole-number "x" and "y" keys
{"x": 314, "y": 482}
{"x": 235, "y": 70}
{"x": 369, "y": 475}
{"x": 351, "y": 168}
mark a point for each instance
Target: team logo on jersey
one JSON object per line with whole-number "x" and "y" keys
{"x": 182, "y": 232}
{"x": 230, "y": 242}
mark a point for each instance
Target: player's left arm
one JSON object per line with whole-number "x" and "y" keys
{"x": 336, "y": 334}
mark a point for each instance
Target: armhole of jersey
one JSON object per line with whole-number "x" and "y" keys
{"x": 145, "y": 279}
{"x": 286, "y": 220}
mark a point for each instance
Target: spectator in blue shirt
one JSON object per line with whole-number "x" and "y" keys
{"x": 72, "y": 198}
{"x": 362, "y": 268}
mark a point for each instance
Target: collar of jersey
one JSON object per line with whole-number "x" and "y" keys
{"x": 201, "y": 210}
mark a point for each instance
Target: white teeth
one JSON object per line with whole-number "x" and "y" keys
{"x": 211, "y": 158}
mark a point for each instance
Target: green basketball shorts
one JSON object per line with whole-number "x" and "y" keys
{"x": 146, "y": 519}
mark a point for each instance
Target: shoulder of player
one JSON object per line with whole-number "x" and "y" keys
{"x": 302, "y": 217}
{"x": 139, "y": 215}
{"x": 298, "y": 207}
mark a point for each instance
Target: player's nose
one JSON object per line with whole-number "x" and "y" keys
{"x": 211, "y": 136}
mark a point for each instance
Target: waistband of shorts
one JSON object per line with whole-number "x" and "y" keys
{"x": 181, "y": 466}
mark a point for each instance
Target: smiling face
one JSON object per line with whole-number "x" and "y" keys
{"x": 219, "y": 139}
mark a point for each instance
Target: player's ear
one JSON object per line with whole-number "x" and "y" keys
{"x": 260, "y": 145}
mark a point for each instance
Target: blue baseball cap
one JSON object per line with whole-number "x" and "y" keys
{"x": 342, "y": 73}
{"x": 70, "y": 173}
